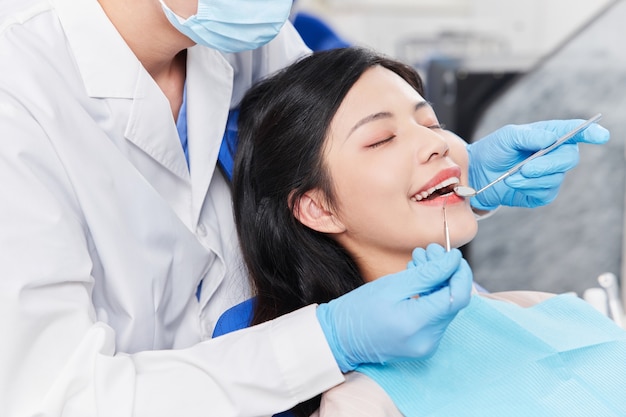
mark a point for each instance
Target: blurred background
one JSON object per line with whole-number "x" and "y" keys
{"x": 489, "y": 63}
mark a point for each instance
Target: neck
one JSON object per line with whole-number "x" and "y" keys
{"x": 148, "y": 33}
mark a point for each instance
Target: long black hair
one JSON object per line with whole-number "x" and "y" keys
{"x": 283, "y": 125}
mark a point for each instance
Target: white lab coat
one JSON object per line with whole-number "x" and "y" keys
{"x": 105, "y": 233}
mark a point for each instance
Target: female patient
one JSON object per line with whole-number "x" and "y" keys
{"x": 350, "y": 185}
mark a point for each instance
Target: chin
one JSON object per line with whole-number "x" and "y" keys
{"x": 465, "y": 236}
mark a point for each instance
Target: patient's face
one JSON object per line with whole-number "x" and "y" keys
{"x": 385, "y": 153}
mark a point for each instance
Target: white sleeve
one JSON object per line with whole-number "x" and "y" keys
{"x": 358, "y": 396}
{"x": 288, "y": 349}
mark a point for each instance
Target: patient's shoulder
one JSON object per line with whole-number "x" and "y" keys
{"x": 521, "y": 298}
{"x": 358, "y": 396}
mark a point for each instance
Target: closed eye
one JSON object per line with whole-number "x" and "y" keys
{"x": 380, "y": 143}
{"x": 437, "y": 126}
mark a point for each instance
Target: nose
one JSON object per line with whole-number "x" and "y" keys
{"x": 431, "y": 145}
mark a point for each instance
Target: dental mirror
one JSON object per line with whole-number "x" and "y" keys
{"x": 466, "y": 191}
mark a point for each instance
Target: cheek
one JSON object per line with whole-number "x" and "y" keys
{"x": 355, "y": 193}
{"x": 358, "y": 181}
{"x": 366, "y": 199}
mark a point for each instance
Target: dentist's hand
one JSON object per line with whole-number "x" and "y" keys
{"x": 537, "y": 183}
{"x": 383, "y": 321}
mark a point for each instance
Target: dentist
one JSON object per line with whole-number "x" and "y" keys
{"x": 117, "y": 245}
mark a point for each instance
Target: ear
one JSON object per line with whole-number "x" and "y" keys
{"x": 312, "y": 211}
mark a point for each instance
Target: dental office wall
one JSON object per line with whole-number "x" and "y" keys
{"x": 573, "y": 63}
{"x": 411, "y": 29}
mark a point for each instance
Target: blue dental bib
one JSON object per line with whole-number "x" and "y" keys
{"x": 557, "y": 358}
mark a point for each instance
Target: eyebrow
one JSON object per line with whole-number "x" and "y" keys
{"x": 381, "y": 115}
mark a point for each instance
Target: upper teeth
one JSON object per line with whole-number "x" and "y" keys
{"x": 424, "y": 194}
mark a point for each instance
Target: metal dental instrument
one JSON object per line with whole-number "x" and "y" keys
{"x": 446, "y": 234}
{"x": 467, "y": 191}
{"x": 446, "y": 231}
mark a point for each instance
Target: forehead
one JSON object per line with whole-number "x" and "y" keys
{"x": 377, "y": 90}
{"x": 383, "y": 83}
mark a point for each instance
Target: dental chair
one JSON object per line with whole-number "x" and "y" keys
{"x": 606, "y": 298}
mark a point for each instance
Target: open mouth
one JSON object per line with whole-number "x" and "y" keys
{"x": 441, "y": 189}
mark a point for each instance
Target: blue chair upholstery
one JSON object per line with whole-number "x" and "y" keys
{"x": 235, "y": 318}
{"x": 316, "y": 34}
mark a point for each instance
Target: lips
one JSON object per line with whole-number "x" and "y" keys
{"x": 441, "y": 184}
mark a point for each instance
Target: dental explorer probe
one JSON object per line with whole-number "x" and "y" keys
{"x": 446, "y": 231}
{"x": 467, "y": 191}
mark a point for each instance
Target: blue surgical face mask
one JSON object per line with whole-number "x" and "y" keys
{"x": 232, "y": 25}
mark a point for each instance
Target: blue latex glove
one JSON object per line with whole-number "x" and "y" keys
{"x": 383, "y": 321}
{"x": 537, "y": 183}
